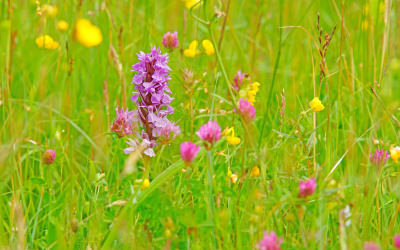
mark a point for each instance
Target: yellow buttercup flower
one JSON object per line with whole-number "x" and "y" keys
{"x": 46, "y": 42}
{"x": 62, "y": 25}
{"x": 316, "y": 105}
{"x": 208, "y": 47}
{"x": 395, "y": 153}
{"x": 49, "y": 10}
{"x": 190, "y": 3}
{"x": 192, "y": 50}
{"x": 255, "y": 172}
{"x": 87, "y": 34}
{"x": 145, "y": 184}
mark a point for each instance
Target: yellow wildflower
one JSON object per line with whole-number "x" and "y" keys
{"x": 190, "y": 3}
{"x": 145, "y": 184}
{"x": 87, "y": 34}
{"x": 192, "y": 50}
{"x": 62, "y": 25}
{"x": 395, "y": 153}
{"x": 229, "y": 173}
{"x": 255, "y": 172}
{"x": 46, "y": 42}
{"x": 231, "y": 139}
{"x": 316, "y": 105}
{"x": 208, "y": 47}
{"x": 49, "y": 10}
{"x": 227, "y": 131}
{"x": 234, "y": 178}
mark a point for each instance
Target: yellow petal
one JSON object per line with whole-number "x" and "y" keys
{"x": 208, "y": 47}
{"x": 316, "y": 105}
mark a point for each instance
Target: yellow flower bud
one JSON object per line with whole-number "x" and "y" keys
{"x": 208, "y": 47}
{"x": 145, "y": 184}
{"x": 316, "y": 105}
{"x": 62, "y": 25}
{"x": 46, "y": 42}
{"x": 87, "y": 34}
{"x": 395, "y": 153}
{"x": 255, "y": 172}
{"x": 233, "y": 140}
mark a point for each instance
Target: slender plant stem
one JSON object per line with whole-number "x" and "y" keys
{"x": 211, "y": 196}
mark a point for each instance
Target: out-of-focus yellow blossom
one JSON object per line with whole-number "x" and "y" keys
{"x": 87, "y": 34}
{"x": 190, "y": 3}
{"x": 229, "y": 173}
{"x": 316, "y": 105}
{"x": 208, "y": 47}
{"x": 251, "y": 94}
{"x": 255, "y": 172}
{"x": 364, "y": 25}
{"x": 231, "y": 139}
{"x": 227, "y": 131}
{"x": 395, "y": 153}
{"x": 49, "y": 10}
{"x": 46, "y": 42}
{"x": 234, "y": 178}
{"x": 192, "y": 50}
{"x": 62, "y": 25}
{"x": 145, "y": 184}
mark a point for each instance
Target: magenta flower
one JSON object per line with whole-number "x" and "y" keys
{"x": 152, "y": 97}
{"x": 238, "y": 80}
{"x": 247, "y": 110}
{"x": 49, "y": 156}
{"x": 123, "y": 123}
{"x": 371, "y": 246}
{"x": 168, "y": 133}
{"x": 379, "y": 157}
{"x": 170, "y": 40}
{"x": 209, "y": 132}
{"x": 307, "y": 188}
{"x": 396, "y": 241}
{"x": 189, "y": 151}
{"x": 270, "y": 242}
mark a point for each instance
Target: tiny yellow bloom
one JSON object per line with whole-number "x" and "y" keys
{"x": 234, "y": 178}
{"x": 87, "y": 34}
{"x": 145, "y": 184}
{"x": 62, "y": 25}
{"x": 190, "y": 3}
{"x": 316, "y": 105}
{"x": 395, "y": 153}
{"x": 255, "y": 172}
{"x": 49, "y": 10}
{"x": 233, "y": 140}
{"x": 227, "y": 131}
{"x": 192, "y": 50}
{"x": 229, "y": 173}
{"x": 208, "y": 47}
{"x": 46, "y": 42}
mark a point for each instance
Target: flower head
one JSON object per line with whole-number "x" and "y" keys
{"x": 247, "y": 110}
{"x": 231, "y": 139}
{"x": 123, "y": 123}
{"x": 307, "y": 188}
{"x": 49, "y": 10}
{"x": 189, "y": 151}
{"x": 255, "y": 172}
{"x": 379, "y": 157}
{"x": 152, "y": 96}
{"x": 168, "y": 133}
{"x": 46, "y": 42}
{"x": 251, "y": 93}
{"x": 209, "y": 132}
{"x": 316, "y": 105}
{"x": 395, "y": 153}
{"x": 208, "y": 47}
{"x": 145, "y": 184}
{"x": 170, "y": 40}
{"x": 87, "y": 34}
{"x": 270, "y": 242}
{"x": 371, "y": 246}
{"x": 62, "y": 25}
{"x": 192, "y": 51}
{"x": 49, "y": 156}
{"x": 190, "y": 3}
{"x": 238, "y": 80}
{"x": 396, "y": 241}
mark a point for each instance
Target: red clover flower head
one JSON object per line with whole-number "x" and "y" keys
{"x": 307, "y": 188}
{"x": 270, "y": 242}
{"x": 170, "y": 40}
{"x": 49, "y": 156}
{"x": 379, "y": 157}
{"x": 371, "y": 246}
{"x": 209, "y": 132}
{"x": 123, "y": 123}
{"x": 247, "y": 110}
{"x": 396, "y": 241}
{"x": 238, "y": 80}
{"x": 189, "y": 151}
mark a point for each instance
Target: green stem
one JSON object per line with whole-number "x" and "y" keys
{"x": 211, "y": 196}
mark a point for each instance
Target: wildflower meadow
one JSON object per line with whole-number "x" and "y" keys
{"x": 200, "y": 124}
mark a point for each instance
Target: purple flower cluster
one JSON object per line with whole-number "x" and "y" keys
{"x": 123, "y": 123}
{"x": 152, "y": 97}
{"x": 379, "y": 157}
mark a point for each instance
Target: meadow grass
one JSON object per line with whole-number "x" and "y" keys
{"x": 91, "y": 196}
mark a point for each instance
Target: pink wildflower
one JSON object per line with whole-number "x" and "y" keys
{"x": 123, "y": 123}
{"x": 49, "y": 156}
{"x": 209, "y": 132}
{"x": 170, "y": 40}
{"x": 247, "y": 110}
{"x": 371, "y": 246}
{"x": 396, "y": 241}
{"x": 270, "y": 242}
{"x": 379, "y": 157}
{"x": 189, "y": 151}
{"x": 307, "y": 188}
